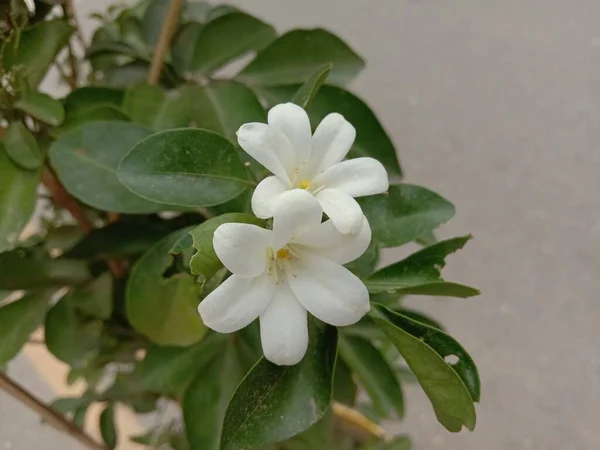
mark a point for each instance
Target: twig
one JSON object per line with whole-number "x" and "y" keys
{"x": 78, "y": 28}
{"x": 52, "y": 417}
{"x": 162, "y": 47}
{"x": 357, "y": 420}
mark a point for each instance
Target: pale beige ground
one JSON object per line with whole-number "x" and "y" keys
{"x": 494, "y": 104}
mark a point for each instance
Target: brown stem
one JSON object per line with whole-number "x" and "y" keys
{"x": 52, "y": 417}
{"x": 162, "y": 47}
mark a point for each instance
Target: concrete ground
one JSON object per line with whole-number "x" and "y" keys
{"x": 495, "y": 105}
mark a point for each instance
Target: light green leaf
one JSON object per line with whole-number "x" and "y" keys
{"x": 205, "y": 261}
{"x": 163, "y": 309}
{"x": 42, "y": 107}
{"x": 17, "y": 199}
{"x": 156, "y": 108}
{"x": 420, "y": 273}
{"x": 273, "y": 403}
{"x": 309, "y": 89}
{"x": 187, "y": 167}
{"x": 229, "y": 37}
{"x": 86, "y": 160}
{"x": 319, "y": 436}
{"x": 108, "y": 430}
{"x": 452, "y": 389}
{"x": 377, "y": 377}
{"x": 22, "y": 147}
{"x": 298, "y": 54}
{"x": 426, "y": 239}
{"x": 405, "y": 212}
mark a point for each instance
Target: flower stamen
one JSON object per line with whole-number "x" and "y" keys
{"x": 305, "y": 184}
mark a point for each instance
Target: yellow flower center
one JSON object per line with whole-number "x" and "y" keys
{"x": 304, "y": 184}
{"x": 283, "y": 253}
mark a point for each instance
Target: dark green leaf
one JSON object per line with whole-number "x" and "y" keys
{"x": 182, "y": 48}
{"x": 163, "y": 309}
{"x": 22, "y": 147}
{"x": 156, "y": 108}
{"x": 227, "y": 38}
{"x": 420, "y": 273}
{"x": 319, "y": 436}
{"x": 344, "y": 387}
{"x": 107, "y": 426}
{"x": 187, "y": 167}
{"x": 420, "y": 317}
{"x": 17, "y": 199}
{"x": 79, "y": 416}
{"x": 35, "y": 48}
{"x": 95, "y": 298}
{"x": 365, "y": 265}
{"x": 42, "y": 107}
{"x": 86, "y": 161}
{"x": 66, "y": 405}
{"x": 298, "y": 54}
{"x": 219, "y": 11}
{"x": 309, "y": 89}
{"x": 93, "y": 114}
{"x": 451, "y": 388}
{"x": 18, "y": 320}
{"x": 205, "y": 262}
{"x": 376, "y": 375}
{"x": 90, "y": 97}
{"x": 196, "y": 10}
{"x": 152, "y": 23}
{"x": 273, "y": 403}
{"x": 405, "y": 212}
{"x": 127, "y": 74}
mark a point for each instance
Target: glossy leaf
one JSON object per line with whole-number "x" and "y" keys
{"x": 108, "y": 430}
{"x": 405, "y": 212}
{"x": 21, "y": 146}
{"x": 87, "y": 159}
{"x": 17, "y": 199}
{"x": 298, "y": 54}
{"x": 273, "y": 403}
{"x": 187, "y": 167}
{"x": 156, "y": 108}
{"x": 42, "y": 107}
{"x": 93, "y": 114}
{"x": 377, "y": 377}
{"x": 420, "y": 273}
{"x": 205, "y": 261}
{"x": 311, "y": 86}
{"x": 319, "y": 436}
{"x": 163, "y": 309}
{"x": 90, "y": 97}
{"x": 452, "y": 389}
{"x": 229, "y": 37}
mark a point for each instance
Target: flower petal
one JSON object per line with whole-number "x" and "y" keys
{"x": 327, "y": 241}
{"x": 242, "y": 248}
{"x": 236, "y": 303}
{"x": 328, "y": 290}
{"x": 293, "y": 121}
{"x": 265, "y": 197}
{"x": 342, "y": 209}
{"x": 284, "y": 328}
{"x": 331, "y": 143}
{"x": 356, "y": 177}
{"x": 269, "y": 146}
{"x": 297, "y": 210}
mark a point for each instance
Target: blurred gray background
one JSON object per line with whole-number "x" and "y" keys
{"x": 496, "y": 106}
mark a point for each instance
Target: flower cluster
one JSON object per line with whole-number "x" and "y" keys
{"x": 280, "y": 274}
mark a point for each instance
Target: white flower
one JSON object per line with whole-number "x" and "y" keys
{"x": 314, "y": 163}
{"x": 281, "y": 273}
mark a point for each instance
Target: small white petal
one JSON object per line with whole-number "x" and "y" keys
{"x": 296, "y": 211}
{"x": 293, "y": 121}
{"x": 327, "y": 241}
{"x": 284, "y": 329}
{"x": 356, "y": 177}
{"x": 269, "y": 146}
{"x": 242, "y": 248}
{"x": 236, "y": 303}
{"x": 331, "y": 143}
{"x": 328, "y": 290}
{"x": 266, "y": 196}
{"x": 342, "y": 209}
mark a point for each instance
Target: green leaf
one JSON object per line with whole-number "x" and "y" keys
{"x": 35, "y": 48}
{"x": 18, "y": 320}
{"x": 183, "y": 46}
{"x": 42, "y": 107}
{"x": 365, "y": 265}
{"x": 398, "y": 443}
{"x": 22, "y": 147}
{"x": 152, "y": 23}
{"x": 95, "y": 298}
{"x": 344, "y": 387}
{"x": 450, "y": 388}
{"x": 318, "y": 436}
{"x": 377, "y": 377}
{"x": 129, "y": 74}
{"x": 107, "y": 426}
{"x": 93, "y": 114}
{"x": 227, "y": 38}
{"x": 273, "y": 403}
{"x": 426, "y": 239}
{"x": 309, "y": 89}
{"x": 205, "y": 261}
{"x": 86, "y": 160}
{"x": 405, "y": 212}
{"x": 90, "y": 97}
{"x": 156, "y": 108}
{"x": 187, "y": 167}
{"x": 420, "y": 273}
{"x": 420, "y": 317}
{"x": 298, "y": 54}
{"x": 163, "y": 309}
{"x": 17, "y": 199}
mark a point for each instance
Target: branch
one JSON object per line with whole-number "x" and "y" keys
{"x": 51, "y": 416}
{"x": 355, "y": 419}
{"x": 162, "y": 47}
